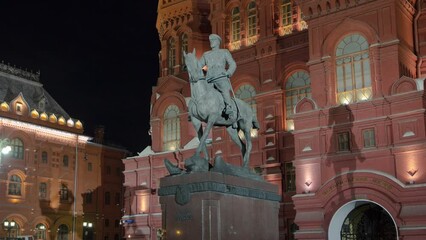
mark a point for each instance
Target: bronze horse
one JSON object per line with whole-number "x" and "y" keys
{"x": 206, "y": 106}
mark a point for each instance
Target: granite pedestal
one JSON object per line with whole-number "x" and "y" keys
{"x": 211, "y": 205}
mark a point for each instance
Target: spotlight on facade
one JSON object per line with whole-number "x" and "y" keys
{"x": 412, "y": 172}
{"x": 308, "y": 184}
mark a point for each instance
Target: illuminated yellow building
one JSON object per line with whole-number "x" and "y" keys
{"x": 53, "y": 179}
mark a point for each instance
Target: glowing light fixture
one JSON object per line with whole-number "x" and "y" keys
{"x": 35, "y": 114}
{"x": 4, "y": 107}
{"x": 6, "y": 149}
{"x": 70, "y": 123}
{"x": 43, "y": 131}
{"x": 290, "y": 125}
{"x": 78, "y": 125}
{"x": 53, "y": 118}
{"x": 61, "y": 121}
{"x": 43, "y": 116}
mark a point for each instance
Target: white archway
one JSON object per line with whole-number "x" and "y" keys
{"x": 339, "y": 217}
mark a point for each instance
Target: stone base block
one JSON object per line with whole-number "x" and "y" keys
{"x": 215, "y": 206}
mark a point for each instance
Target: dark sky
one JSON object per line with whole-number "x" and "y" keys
{"x": 98, "y": 59}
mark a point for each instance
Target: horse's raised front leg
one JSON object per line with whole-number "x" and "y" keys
{"x": 204, "y": 136}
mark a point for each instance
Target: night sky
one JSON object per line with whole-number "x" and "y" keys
{"x": 97, "y": 58}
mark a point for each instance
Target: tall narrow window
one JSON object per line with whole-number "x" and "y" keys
{"x": 17, "y": 148}
{"x": 235, "y": 28}
{"x": 117, "y": 198}
{"x": 15, "y": 183}
{"x": 252, "y": 23}
{"x": 44, "y": 157}
{"x": 298, "y": 86}
{"x": 88, "y": 197}
{"x": 286, "y": 12}
{"x": 89, "y": 166}
{"x": 369, "y": 138}
{"x": 107, "y": 198}
{"x": 343, "y": 141}
{"x": 353, "y": 74}
{"x": 290, "y": 177}
{"x": 63, "y": 193}
{"x": 184, "y": 48}
{"x": 65, "y": 161}
{"x": 42, "y": 190}
{"x": 171, "y": 138}
{"x": 171, "y": 55}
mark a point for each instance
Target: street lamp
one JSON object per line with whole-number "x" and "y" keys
{"x": 5, "y": 148}
{"x": 87, "y": 231}
{"x": 9, "y": 225}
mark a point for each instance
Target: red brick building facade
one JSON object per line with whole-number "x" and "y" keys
{"x": 338, "y": 88}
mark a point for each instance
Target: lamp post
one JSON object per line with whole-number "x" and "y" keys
{"x": 87, "y": 231}
{"x": 9, "y": 225}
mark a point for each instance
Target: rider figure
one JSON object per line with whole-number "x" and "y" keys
{"x": 216, "y": 61}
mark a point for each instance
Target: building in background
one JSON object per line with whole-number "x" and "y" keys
{"x": 338, "y": 87}
{"x": 54, "y": 182}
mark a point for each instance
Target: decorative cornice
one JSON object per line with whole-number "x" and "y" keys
{"x": 6, "y": 68}
{"x": 314, "y": 8}
{"x": 172, "y": 15}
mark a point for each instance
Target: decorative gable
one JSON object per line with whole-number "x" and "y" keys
{"x": 19, "y": 105}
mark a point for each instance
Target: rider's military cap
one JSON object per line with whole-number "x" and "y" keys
{"x": 215, "y": 37}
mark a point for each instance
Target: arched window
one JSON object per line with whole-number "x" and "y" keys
{"x": 65, "y": 161}
{"x": 235, "y": 26}
{"x": 15, "y": 184}
{"x": 44, "y": 157}
{"x": 171, "y": 128}
{"x": 63, "y": 232}
{"x": 13, "y": 229}
{"x": 17, "y": 148}
{"x": 171, "y": 55}
{"x": 353, "y": 74}
{"x": 184, "y": 48}
{"x": 40, "y": 231}
{"x": 247, "y": 93}
{"x": 252, "y": 20}
{"x": 63, "y": 193}
{"x": 286, "y": 12}
{"x": 298, "y": 86}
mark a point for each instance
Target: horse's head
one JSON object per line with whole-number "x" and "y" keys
{"x": 192, "y": 66}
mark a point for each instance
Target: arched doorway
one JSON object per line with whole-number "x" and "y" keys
{"x": 362, "y": 220}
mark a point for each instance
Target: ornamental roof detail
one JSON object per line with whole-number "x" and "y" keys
{"x": 17, "y": 85}
{"x": 6, "y": 68}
